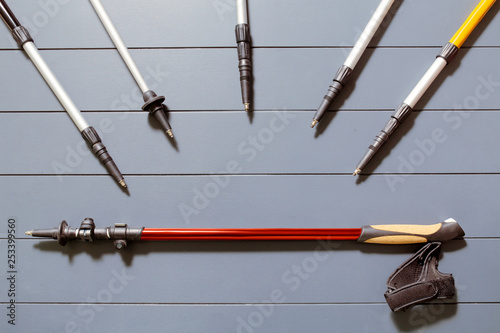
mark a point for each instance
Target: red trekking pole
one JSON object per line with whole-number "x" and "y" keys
{"x": 120, "y": 234}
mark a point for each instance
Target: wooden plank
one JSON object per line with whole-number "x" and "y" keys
{"x": 207, "y": 79}
{"x": 236, "y": 272}
{"x": 254, "y": 201}
{"x": 199, "y": 23}
{"x": 275, "y": 142}
{"x": 253, "y": 318}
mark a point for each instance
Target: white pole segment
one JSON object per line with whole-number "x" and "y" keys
{"x": 367, "y": 34}
{"x": 56, "y": 87}
{"x": 120, "y": 46}
{"x": 425, "y": 82}
{"x": 241, "y": 12}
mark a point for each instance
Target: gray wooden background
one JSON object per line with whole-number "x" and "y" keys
{"x": 229, "y": 169}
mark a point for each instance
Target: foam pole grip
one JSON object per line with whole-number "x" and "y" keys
{"x": 411, "y": 234}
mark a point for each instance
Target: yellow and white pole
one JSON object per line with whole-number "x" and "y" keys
{"x": 447, "y": 54}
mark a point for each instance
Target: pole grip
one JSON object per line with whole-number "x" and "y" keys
{"x": 411, "y": 234}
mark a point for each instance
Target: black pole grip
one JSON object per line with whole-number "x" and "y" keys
{"x": 411, "y": 234}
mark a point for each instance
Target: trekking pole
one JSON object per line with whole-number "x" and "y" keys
{"x": 120, "y": 234}
{"x": 24, "y": 39}
{"x": 446, "y": 55}
{"x": 344, "y": 72}
{"x": 153, "y": 103}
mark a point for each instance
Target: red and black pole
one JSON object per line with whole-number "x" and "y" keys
{"x": 120, "y": 234}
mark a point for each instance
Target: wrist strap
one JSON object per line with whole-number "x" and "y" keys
{"x": 418, "y": 280}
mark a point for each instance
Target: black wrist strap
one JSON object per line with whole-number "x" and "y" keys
{"x": 418, "y": 280}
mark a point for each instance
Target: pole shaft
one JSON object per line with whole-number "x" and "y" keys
{"x": 120, "y": 46}
{"x": 368, "y": 32}
{"x": 149, "y": 234}
{"x": 425, "y": 82}
{"x": 56, "y": 87}
{"x": 8, "y": 17}
{"x": 241, "y": 12}
{"x": 471, "y": 22}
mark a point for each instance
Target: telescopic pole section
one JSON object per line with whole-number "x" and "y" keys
{"x": 24, "y": 39}
{"x": 55, "y": 86}
{"x": 241, "y": 12}
{"x": 446, "y": 55}
{"x": 153, "y": 103}
{"x": 345, "y": 71}
{"x": 242, "y": 31}
{"x": 471, "y": 22}
{"x": 7, "y": 16}
{"x": 120, "y": 46}
{"x": 249, "y": 234}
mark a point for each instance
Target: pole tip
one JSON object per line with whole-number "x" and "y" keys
{"x": 356, "y": 172}
{"x": 247, "y": 107}
{"x": 170, "y": 133}
{"x": 29, "y": 233}
{"x": 314, "y": 122}
{"x": 122, "y": 183}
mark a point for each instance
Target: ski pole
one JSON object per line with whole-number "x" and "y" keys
{"x": 120, "y": 234}
{"x": 153, "y": 103}
{"x": 344, "y": 72}
{"x": 447, "y": 54}
{"x": 24, "y": 39}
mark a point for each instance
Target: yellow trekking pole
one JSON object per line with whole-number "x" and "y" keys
{"x": 447, "y": 54}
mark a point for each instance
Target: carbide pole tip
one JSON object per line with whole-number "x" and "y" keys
{"x": 247, "y": 107}
{"x": 314, "y": 122}
{"x": 29, "y": 233}
{"x": 356, "y": 172}
{"x": 170, "y": 133}
{"x": 122, "y": 183}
